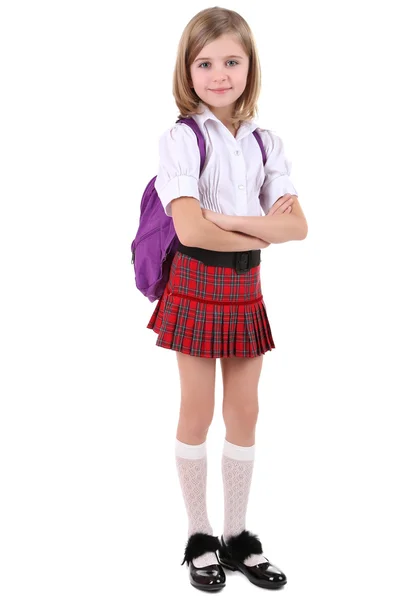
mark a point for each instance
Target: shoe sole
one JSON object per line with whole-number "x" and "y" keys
{"x": 208, "y": 588}
{"x": 264, "y": 584}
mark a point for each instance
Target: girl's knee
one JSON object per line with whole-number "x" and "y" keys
{"x": 195, "y": 422}
{"x": 240, "y": 412}
{"x": 191, "y": 431}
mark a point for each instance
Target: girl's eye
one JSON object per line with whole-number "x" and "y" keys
{"x": 231, "y": 61}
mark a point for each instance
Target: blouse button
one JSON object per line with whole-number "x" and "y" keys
{"x": 241, "y": 187}
{"x": 237, "y": 152}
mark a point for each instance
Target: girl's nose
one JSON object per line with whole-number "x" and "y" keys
{"x": 219, "y": 77}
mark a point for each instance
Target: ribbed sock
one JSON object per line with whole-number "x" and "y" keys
{"x": 191, "y": 462}
{"x": 237, "y": 470}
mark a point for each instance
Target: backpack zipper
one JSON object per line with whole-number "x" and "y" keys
{"x": 141, "y": 240}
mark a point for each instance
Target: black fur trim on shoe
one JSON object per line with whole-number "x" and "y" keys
{"x": 243, "y": 545}
{"x": 198, "y": 544}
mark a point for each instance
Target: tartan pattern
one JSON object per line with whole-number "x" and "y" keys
{"x": 212, "y": 312}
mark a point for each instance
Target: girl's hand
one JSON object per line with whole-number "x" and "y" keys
{"x": 216, "y": 218}
{"x": 208, "y": 214}
{"x": 281, "y": 206}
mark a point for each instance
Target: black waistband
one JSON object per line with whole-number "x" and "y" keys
{"x": 241, "y": 261}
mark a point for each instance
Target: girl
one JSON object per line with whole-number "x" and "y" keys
{"x": 213, "y": 306}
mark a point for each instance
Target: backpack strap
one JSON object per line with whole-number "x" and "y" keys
{"x": 200, "y": 139}
{"x": 259, "y": 140}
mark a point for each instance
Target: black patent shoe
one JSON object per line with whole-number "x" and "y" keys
{"x": 211, "y": 578}
{"x": 239, "y": 547}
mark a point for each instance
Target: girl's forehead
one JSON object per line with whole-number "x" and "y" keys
{"x": 222, "y": 48}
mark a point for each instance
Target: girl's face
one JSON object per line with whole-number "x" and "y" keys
{"x": 222, "y": 64}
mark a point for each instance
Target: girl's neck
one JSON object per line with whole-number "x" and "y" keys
{"x": 232, "y": 128}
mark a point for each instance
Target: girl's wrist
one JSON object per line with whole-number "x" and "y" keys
{"x": 227, "y": 222}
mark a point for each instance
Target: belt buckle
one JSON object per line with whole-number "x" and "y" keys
{"x": 242, "y": 261}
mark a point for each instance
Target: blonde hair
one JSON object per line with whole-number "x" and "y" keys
{"x": 203, "y": 28}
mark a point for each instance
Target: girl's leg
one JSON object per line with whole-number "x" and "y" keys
{"x": 240, "y": 412}
{"x": 197, "y": 378}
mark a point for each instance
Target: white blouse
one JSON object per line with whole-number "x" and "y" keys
{"x": 234, "y": 180}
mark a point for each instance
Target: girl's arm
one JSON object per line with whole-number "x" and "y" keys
{"x": 273, "y": 228}
{"x": 207, "y": 235}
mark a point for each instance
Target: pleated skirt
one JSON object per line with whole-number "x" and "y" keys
{"x": 212, "y": 312}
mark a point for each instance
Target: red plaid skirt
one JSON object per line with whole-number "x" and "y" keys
{"x": 212, "y": 312}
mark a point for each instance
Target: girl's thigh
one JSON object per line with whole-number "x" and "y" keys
{"x": 240, "y": 378}
{"x": 197, "y": 380}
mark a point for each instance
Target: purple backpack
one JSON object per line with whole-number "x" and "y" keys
{"x": 156, "y": 242}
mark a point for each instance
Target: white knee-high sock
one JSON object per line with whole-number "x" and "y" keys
{"x": 237, "y": 471}
{"x": 191, "y": 462}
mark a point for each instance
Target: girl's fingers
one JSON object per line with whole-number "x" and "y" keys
{"x": 281, "y": 205}
{"x": 284, "y": 207}
{"x": 283, "y": 200}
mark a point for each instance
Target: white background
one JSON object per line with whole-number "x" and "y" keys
{"x": 90, "y": 501}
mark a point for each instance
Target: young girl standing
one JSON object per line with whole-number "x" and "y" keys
{"x": 213, "y": 306}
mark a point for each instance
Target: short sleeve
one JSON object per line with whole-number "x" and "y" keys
{"x": 277, "y": 171}
{"x": 179, "y": 166}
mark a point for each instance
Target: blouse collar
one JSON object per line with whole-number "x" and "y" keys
{"x": 206, "y": 114}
